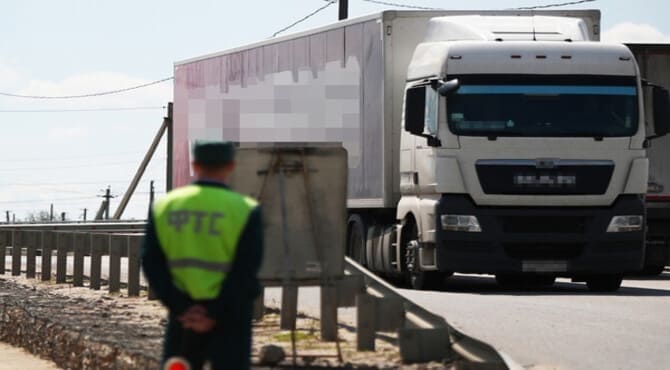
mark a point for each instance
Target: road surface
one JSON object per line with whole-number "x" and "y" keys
{"x": 565, "y": 327}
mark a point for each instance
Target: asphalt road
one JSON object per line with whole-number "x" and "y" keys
{"x": 563, "y": 327}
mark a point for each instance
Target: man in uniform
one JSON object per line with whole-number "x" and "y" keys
{"x": 201, "y": 256}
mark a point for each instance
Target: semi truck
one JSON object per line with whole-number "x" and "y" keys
{"x": 510, "y": 143}
{"x": 654, "y": 63}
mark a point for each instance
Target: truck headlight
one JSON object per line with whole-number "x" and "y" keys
{"x": 460, "y": 223}
{"x": 625, "y": 223}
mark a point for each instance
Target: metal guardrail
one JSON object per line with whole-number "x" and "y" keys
{"x": 422, "y": 335}
{"x": 107, "y": 225}
{"x": 427, "y": 336}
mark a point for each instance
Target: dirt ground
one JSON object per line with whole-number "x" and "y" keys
{"x": 82, "y": 328}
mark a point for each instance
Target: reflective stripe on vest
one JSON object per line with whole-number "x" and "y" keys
{"x": 192, "y": 262}
{"x": 198, "y": 228}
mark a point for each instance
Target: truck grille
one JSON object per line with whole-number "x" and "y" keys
{"x": 543, "y": 224}
{"x": 544, "y": 177}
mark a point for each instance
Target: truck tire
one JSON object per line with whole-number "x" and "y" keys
{"x": 356, "y": 239}
{"x": 417, "y": 279}
{"x": 653, "y": 270}
{"x": 604, "y": 283}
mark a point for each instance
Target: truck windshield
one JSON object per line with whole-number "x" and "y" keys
{"x": 550, "y": 110}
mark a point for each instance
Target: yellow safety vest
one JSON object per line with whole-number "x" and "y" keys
{"x": 198, "y": 229}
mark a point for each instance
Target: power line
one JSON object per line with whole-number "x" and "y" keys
{"x": 111, "y": 109}
{"x": 310, "y": 15}
{"x": 401, "y": 5}
{"x": 409, "y": 6}
{"x": 555, "y": 5}
{"x": 45, "y": 200}
{"x": 78, "y": 166}
{"x": 88, "y": 95}
{"x": 158, "y": 180}
{"x": 79, "y": 156}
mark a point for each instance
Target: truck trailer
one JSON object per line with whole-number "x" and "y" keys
{"x": 490, "y": 142}
{"x": 654, "y": 63}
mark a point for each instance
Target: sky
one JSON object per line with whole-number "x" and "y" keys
{"x": 52, "y": 155}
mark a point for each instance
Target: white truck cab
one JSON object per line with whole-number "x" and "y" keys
{"x": 524, "y": 145}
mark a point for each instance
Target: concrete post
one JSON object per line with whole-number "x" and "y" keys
{"x": 48, "y": 245}
{"x": 134, "y": 243}
{"x": 63, "y": 244}
{"x": 3, "y": 249}
{"x": 365, "y": 322}
{"x": 289, "y": 307}
{"x": 328, "y": 313}
{"x": 424, "y": 345}
{"x": 82, "y": 247}
{"x": 99, "y": 245}
{"x": 118, "y": 244}
{"x": 17, "y": 247}
{"x": 259, "y": 306}
{"x": 33, "y": 243}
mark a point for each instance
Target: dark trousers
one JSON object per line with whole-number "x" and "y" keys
{"x": 227, "y": 346}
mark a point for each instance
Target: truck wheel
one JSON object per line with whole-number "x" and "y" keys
{"x": 356, "y": 240}
{"x": 653, "y": 270}
{"x": 604, "y": 283}
{"x": 419, "y": 280}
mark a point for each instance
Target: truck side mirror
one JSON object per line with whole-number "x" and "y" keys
{"x": 415, "y": 110}
{"x": 449, "y": 87}
{"x": 661, "y": 111}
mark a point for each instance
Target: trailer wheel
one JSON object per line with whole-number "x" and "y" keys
{"x": 419, "y": 280}
{"x": 604, "y": 283}
{"x": 356, "y": 239}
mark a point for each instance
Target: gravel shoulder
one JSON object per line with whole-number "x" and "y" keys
{"x": 81, "y": 328}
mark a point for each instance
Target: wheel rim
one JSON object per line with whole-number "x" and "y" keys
{"x": 410, "y": 255}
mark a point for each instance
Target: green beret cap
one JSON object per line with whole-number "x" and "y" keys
{"x": 213, "y": 152}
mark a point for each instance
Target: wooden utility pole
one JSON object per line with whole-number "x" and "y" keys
{"x": 344, "y": 9}
{"x": 7, "y": 213}
{"x": 85, "y": 210}
{"x": 166, "y": 127}
{"x": 51, "y": 213}
{"x": 62, "y": 216}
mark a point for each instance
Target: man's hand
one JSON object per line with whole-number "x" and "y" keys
{"x": 195, "y": 318}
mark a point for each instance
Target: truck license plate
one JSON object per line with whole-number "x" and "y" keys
{"x": 545, "y": 266}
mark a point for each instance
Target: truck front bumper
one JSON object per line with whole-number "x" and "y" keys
{"x": 566, "y": 241}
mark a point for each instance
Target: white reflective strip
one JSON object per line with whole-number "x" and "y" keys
{"x": 205, "y": 265}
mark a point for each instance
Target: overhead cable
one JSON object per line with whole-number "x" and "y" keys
{"x": 45, "y": 200}
{"x": 555, "y": 5}
{"x": 110, "y": 109}
{"x": 310, "y": 15}
{"x": 72, "y": 166}
{"x": 401, "y": 5}
{"x": 88, "y": 95}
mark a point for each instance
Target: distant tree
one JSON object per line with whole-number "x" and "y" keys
{"x": 38, "y": 216}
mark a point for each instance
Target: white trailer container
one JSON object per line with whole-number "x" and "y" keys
{"x": 654, "y": 62}
{"x": 439, "y": 187}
